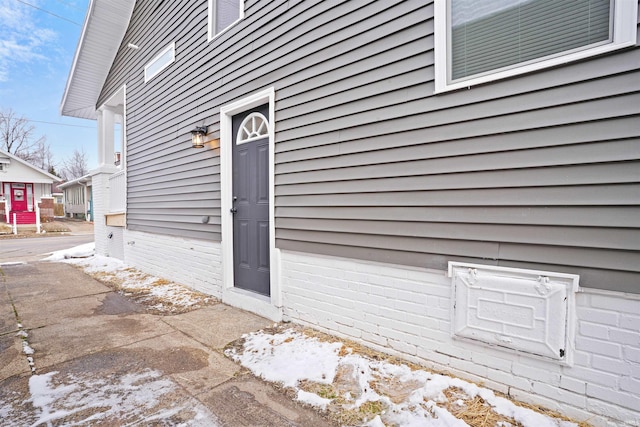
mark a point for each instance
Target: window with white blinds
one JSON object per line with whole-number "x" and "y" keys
{"x": 223, "y": 14}
{"x": 484, "y": 40}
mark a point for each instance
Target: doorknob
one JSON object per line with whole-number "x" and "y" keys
{"x": 234, "y": 209}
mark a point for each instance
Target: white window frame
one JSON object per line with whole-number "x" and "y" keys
{"x": 211, "y": 24}
{"x": 154, "y": 62}
{"x": 625, "y": 13}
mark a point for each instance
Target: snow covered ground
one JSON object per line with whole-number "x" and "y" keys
{"x": 158, "y": 295}
{"x": 333, "y": 377}
{"x": 326, "y": 373}
{"x": 87, "y": 399}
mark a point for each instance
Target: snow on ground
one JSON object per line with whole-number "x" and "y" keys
{"x": 159, "y": 295}
{"x": 377, "y": 393}
{"x": 81, "y": 251}
{"x": 141, "y": 398}
{"x": 353, "y": 388}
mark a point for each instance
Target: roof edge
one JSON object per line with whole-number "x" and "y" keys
{"x": 24, "y": 162}
{"x": 85, "y": 27}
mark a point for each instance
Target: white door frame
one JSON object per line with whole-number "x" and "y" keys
{"x": 270, "y": 307}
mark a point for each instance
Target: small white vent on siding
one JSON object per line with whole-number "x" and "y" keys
{"x": 525, "y": 310}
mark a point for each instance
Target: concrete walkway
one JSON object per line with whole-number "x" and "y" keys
{"x": 110, "y": 357}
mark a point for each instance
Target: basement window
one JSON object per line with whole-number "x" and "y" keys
{"x": 165, "y": 58}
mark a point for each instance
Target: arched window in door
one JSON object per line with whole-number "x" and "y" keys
{"x": 254, "y": 126}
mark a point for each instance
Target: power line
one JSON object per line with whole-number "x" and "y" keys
{"x": 50, "y": 13}
{"x": 61, "y": 124}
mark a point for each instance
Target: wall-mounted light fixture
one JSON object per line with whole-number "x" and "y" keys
{"x": 198, "y": 136}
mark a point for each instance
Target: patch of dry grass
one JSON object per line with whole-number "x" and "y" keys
{"x": 55, "y": 227}
{"x": 344, "y": 391}
{"x": 357, "y": 416}
{"x": 473, "y": 411}
{"x": 156, "y": 295}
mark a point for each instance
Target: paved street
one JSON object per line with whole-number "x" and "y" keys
{"x": 36, "y": 248}
{"x": 28, "y": 246}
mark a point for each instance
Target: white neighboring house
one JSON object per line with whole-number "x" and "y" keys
{"x": 78, "y": 198}
{"x": 22, "y": 186}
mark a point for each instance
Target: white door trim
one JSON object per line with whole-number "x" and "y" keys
{"x": 269, "y": 307}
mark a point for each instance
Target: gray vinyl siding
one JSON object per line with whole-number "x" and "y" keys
{"x": 539, "y": 171}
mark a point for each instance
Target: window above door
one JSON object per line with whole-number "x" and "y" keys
{"x": 223, "y": 14}
{"x": 478, "y": 41}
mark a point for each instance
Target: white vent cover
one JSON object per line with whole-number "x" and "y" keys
{"x": 525, "y": 310}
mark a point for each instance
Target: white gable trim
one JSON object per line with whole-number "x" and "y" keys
{"x": 49, "y": 177}
{"x": 104, "y": 28}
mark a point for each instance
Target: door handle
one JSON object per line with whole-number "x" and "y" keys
{"x": 234, "y": 209}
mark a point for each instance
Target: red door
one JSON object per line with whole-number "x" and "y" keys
{"x": 18, "y": 199}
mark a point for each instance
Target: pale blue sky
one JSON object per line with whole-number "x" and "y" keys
{"x": 37, "y": 45}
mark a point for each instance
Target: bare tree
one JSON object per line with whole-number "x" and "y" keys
{"x": 16, "y": 137}
{"x": 41, "y": 156}
{"x": 16, "y": 134}
{"x": 75, "y": 166}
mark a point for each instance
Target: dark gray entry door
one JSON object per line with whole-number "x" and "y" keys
{"x": 250, "y": 164}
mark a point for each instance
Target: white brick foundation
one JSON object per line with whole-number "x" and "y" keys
{"x": 194, "y": 263}
{"x": 407, "y": 311}
{"x": 114, "y": 242}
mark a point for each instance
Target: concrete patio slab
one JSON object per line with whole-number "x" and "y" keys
{"x": 101, "y": 359}
{"x": 216, "y": 326}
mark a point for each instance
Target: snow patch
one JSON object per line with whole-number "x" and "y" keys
{"x": 289, "y": 357}
{"x": 81, "y": 251}
{"x": 130, "y": 397}
{"x": 313, "y": 399}
{"x": 159, "y": 294}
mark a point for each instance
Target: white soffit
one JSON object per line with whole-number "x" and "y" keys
{"x": 103, "y": 30}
